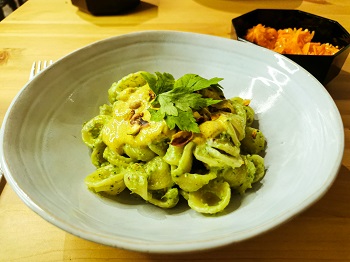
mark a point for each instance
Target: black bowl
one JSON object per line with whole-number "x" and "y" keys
{"x": 105, "y": 7}
{"x": 323, "y": 67}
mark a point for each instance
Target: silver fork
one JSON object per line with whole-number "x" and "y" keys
{"x": 37, "y": 67}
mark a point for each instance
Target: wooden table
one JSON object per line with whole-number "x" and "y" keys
{"x": 43, "y": 29}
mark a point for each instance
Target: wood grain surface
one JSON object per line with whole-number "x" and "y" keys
{"x": 42, "y": 29}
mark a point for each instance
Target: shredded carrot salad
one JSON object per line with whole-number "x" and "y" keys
{"x": 289, "y": 41}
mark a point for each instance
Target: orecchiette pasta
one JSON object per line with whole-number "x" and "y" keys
{"x": 133, "y": 151}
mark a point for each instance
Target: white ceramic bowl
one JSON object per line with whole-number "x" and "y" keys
{"x": 45, "y": 160}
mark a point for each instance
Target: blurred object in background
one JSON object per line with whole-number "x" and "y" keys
{"x": 105, "y": 7}
{"x": 8, "y": 6}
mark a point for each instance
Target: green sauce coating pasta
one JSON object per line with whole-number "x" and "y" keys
{"x": 211, "y": 198}
{"x": 164, "y": 198}
{"x": 136, "y": 148}
{"x": 254, "y": 141}
{"x": 158, "y": 173}
{"x": 108, "y": 179}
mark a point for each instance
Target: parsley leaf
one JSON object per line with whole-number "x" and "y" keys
{"x": 176, "y": 100}
{"x": 159, "y": 83}
{"x": 184, "y": 121}
{"x": 196, "y": 82}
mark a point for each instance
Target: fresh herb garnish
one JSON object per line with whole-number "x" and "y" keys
{"x": 176, "y": 100}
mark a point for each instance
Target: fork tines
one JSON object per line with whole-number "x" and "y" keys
{"x": 39, "y": 66}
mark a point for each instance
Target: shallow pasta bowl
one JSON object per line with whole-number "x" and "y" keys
{"x": 45, "y": 160}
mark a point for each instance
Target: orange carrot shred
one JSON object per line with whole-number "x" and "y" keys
{"x": 289, "y": 41}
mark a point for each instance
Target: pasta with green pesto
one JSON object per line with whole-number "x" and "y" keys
{"x": 165, "y": 139}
